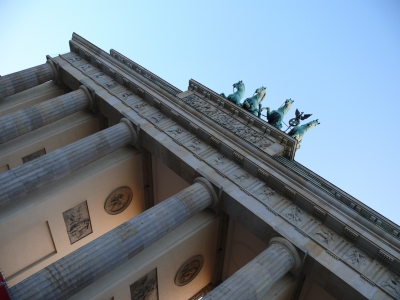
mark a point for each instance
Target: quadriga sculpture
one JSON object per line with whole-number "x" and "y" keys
{"x": 275, "y": 117}
{"x": 299, "y": 131}
{"x": 238, "y": 95}
{"x": 253, "y": 104}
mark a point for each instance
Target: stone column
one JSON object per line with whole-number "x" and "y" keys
{"x": 256, "y": 278}
{"x": 28, "y": 119}
{"x": 26, "y": 178}
{"x": 26, "y": 79}
{"x": 84, "y": 266}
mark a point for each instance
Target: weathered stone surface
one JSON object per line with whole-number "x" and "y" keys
{"x": 84, "y": 266}
{"x": 254, "y": 279}
{"x": 26, "y": 178}
{"x": 26, "y": 79}
{"x": 28, "y": 119}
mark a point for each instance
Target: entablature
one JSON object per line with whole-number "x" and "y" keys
{"x": 248, "y": 170}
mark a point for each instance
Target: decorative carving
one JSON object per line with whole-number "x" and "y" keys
{"x": 290, "y": 193}
{"x": 111, "y": 85}
{"x": 241, "y": 177}
{"x": 238, "y": 157}
{"x": 98, "y": 76}
{"x": 350, "y": 234}
{"x": 301, "y": 231}
{"x": 294, "y": 214}
{"x": 157, "y": 118}
{"x": 74, "y": 59}
{"x": 194, "y": 144}
{"x": 140, "y": 106}
{"x": 263, "y": 174}
{"x": 175, "y": 131}
{"x": 193, "y": 127}
{"x": 238, "y": 95}
{"x": 126, "y": 94}
{"x": 332, "y": 254}
{"x": 219, "y": 160}
{"x": 85, "y": 68}
{"x": 157, "y": 103}
{"x": 189, "y": 270}
{"x": 118, "y": 200}
{"x": 299, "y": 131}
{"x": 367, "y": 280}
{"x": 267, "y": 192}
{"x": 175, "y": 115}
{"x": 229, "y": 122}
{"x": 216, "y": 143}
{"x": 319, "y": 213}
{"x": 146, "y": 288}
{"x": 77, "y": 221}
{"x": 326, "y": 235}
{"x": 385, "y": 258}
{"x": 392, "y": 284}
{"x": 355, "y": 257}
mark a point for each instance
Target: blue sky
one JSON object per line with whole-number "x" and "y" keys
{"x": 339, "y": 60}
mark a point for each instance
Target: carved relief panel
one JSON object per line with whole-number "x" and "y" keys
{"x": 77, "y": 222}
{"x": 146, "y": 288}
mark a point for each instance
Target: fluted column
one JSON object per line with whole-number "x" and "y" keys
{"x": 26, "y": 79}
{"x": 28, "y": 119}
{"x": 256, "y": 278}
{"x": 26, "y": 178}
{"x": 84, "y": 266}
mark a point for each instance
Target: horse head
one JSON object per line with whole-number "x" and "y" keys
{"x": 260, "y": 94}
{"x": 312, "y": 124}
{"x": 239, "y": 85}
{"x": 286, "y": 106}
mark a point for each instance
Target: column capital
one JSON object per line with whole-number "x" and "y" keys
{"x": 213, "y": 195}
{"x": 290, "y": 249}
{"x": 53, "y": 68}
{"x": 134, "y": 136}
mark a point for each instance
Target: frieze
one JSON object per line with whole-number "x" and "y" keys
{"x": 332, "y": 254}
{"x": 357, "y": 258}
{"x": 263, "y": 174}
{"x": 290, "y": 193}
{"x": 392, "y": 284}
{"x": 319, "y": 213}
{"x": 295, "y": 215}
{"x": 252, "y": 136}
{"x": 325, "y": 237}
{"x": 371, "y": 282}
{"x": 385, "y": 258}
{"x": 215, "y": 142}
{"x": 350, "y": 234}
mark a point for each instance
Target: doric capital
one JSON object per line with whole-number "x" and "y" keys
{"x": 210, "y": 189}
{"x": 295, "y": 258}
{"x": 134, "y": 135}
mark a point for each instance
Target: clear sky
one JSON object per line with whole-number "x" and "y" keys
{"x": 339, "y": 60}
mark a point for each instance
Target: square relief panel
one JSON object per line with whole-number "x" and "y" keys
{"x": 146, "y": 288}
{"x": 77, "y": 222}
{"x": 326, "y": 236}
{"x": 357, "y": 258}
{"x": 294, "y": 214}
{"x": 391, "y": 283}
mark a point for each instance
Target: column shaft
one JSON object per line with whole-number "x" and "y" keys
{"x": 28, "y": 119}
{"x": 26, "y": 178}
{"x": 26, "y": 79}
{"x": 256, "y": 278}
{"x": 84, "y": 266}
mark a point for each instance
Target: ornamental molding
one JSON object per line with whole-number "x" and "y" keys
{"x": 252, "y": 180}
